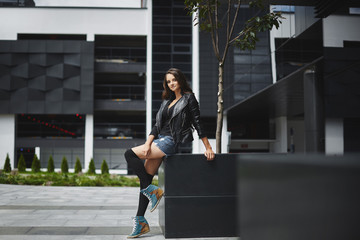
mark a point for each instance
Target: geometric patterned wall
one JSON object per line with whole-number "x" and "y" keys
{"x": 46, "y": 77}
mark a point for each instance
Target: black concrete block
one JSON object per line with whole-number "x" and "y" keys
{"x": 200, "y": 196}
{"x": 193, "y": 175}
{"x": 190, "y": 217}
{"x": 287, "y": 197}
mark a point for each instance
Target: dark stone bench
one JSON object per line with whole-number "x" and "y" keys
{"x": 200, "y": 196}
{"x": 296, "y": 197}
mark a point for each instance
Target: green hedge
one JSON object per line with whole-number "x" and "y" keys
{"x": 58, "y": 179}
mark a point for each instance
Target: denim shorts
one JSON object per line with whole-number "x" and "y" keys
{"x": 166, "y": 145}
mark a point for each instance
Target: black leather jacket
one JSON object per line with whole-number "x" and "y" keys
{"x": 186, "y": 114}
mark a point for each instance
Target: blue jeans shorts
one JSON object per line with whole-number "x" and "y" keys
{"x": 165, "y": 144}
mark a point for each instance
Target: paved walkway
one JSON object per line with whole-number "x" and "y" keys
{"x": 59, "y": 213}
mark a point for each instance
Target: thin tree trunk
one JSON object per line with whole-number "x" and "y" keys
{"x": 220, "y": 108}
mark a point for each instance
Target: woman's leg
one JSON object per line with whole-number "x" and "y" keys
{"x": 144, "y": 172}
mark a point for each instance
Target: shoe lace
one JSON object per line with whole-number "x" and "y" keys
{"x": 148, "y": 195}
{"x": 135, "y": 225}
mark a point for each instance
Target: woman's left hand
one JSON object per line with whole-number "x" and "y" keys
{"x": 209, "y": 154}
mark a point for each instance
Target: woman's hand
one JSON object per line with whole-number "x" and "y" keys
{"x": 147, "y": 149}
{"x": 209, "y": 154}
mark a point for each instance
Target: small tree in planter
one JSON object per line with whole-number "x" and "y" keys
{"x": 64, "y": 165}
{"x": 78, "y": 167}
{"x": 7, "y": 165}
{"x": 211, "y": 17}
{"x": 104, "y": 167}
{"x": 91, "y": 167}
{"x": 51, "y": 165}
{"x": 21, "y": 164}
{"x": 35, "y": 166}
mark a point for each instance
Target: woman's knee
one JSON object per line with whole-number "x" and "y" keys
{"x": 129, "y": 155}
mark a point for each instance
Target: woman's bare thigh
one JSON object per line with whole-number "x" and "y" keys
{"x": 153, "y": 161}
{"x": 155, "y": 152}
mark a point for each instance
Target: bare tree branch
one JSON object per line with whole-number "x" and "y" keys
{"x": 216, "y": 26}
{"x": 228, "y": 42}
{"x": 213, "y": 39}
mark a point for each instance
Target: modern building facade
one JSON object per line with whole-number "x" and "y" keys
{"x": 85, "y": 81}
{"x": 75, "y": 80}
{"x": 312, "y": 104}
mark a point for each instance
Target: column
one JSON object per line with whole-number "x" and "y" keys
{"x": 89, "y": 140}
{"x": 148, "y": 94}
{"x": 313, "y": 113}
{"x": 7, "y": 139}
{"x": 196, "y": 146}
{"x": 225, "y": 135}
{"x": 334, "y": 136}
{"x": 280, "y": 145}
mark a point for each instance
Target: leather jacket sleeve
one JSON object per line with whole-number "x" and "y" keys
{"x": 154, "y": 131}
{"x": 195, "y": 115}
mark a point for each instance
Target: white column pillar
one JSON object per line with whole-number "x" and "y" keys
{"x": 89, "y": 140}
{"x": 280, "y": 145}
{"x": 334, "y": 136}
{"x": 225, "y": 135}
{"x": 148, "y": 95}
{"x": 272, "y": 51}
{"x": 196, "y": 76}
{"x": 7, "y": 139}
{"x": 90, "y": 37}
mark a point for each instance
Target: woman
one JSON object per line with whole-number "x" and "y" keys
{"x": 174, "y": 120}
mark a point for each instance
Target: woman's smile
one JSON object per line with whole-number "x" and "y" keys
{"x": 172, "y": 82}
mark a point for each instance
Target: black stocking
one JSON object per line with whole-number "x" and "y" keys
{"x": 137, "y": 165}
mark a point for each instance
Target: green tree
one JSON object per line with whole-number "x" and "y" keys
{"x": 91, "y": 167}
{"x": 104, "y": 167}
{"x": 78, "y": 167}
{"x": 35, "y": 165}
{"x": 211, "y": 18}
{"x": 7, "y": 165}
{"x": 21, "y": 164}
{"x": 64, "y": 165}
{"x": 51, "y": 165}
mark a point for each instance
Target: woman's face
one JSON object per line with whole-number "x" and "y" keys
{"x": 172, "y": 83}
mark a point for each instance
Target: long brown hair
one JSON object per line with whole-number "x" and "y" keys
{"x": 180, "y": 78}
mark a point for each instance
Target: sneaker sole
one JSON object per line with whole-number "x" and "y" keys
{"x": 162, "y": 194}
{"x": 138, "y": 234}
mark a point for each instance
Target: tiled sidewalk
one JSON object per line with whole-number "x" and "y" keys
{"x": 59, "y": 213}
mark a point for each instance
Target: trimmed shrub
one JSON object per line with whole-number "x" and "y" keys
{"x": 51, "y": 165}
{"x": 21, "y": 164}
{"x": 104, "y": 167}
{"x": 91, "y": 167}
{"x": 7, "y": 165}
{"x": 35, "y": 166}
{"x": 78, "y": 167}
{"x": 64, "y": 165}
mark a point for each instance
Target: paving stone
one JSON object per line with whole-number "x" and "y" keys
{"x": 72, "y": 213}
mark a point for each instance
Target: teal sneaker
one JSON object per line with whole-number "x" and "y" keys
{"x": 141, "y": 227}
{"x": 154, "y": 194}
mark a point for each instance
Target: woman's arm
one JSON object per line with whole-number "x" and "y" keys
{"x": 209, "y": 153}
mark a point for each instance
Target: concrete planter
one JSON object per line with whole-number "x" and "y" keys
{"x": 200, "y": 196}
{"x": 296, "y": 197}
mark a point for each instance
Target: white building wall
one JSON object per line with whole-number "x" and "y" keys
{"x": 7, "y": 139}
{"x": 340, "y": 28}
{"x": 285, "y": 30}
{"x": 334, "y": 136}
{"x": 72, "y": 21}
